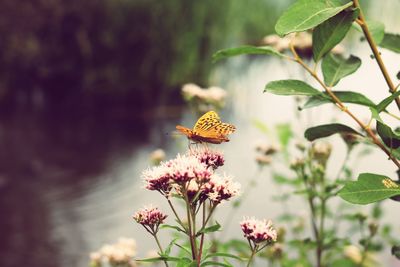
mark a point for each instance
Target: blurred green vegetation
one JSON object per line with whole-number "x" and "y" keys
{"x": 53, "y": 52}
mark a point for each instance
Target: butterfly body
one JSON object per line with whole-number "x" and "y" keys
{"x": 208, "y": 129}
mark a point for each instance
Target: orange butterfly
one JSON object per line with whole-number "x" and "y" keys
{"x": 209, "y": 129}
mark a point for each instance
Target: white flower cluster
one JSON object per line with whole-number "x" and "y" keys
{"x": 121, "y": 252}
{"x": 212, "y": 95}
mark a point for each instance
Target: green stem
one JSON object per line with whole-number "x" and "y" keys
{"x": 253, "y": 252}
{"x": 190, "y": 231}
{"x": 161, "y": 250}
{"x": 363, "y": 24}
{"x": 202, "y": 235}
{"x": 176, "y": 214}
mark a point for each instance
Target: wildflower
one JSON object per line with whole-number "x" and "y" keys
{"x": 117, "y": 253}
{"x": 258, "y": 231}
{"x": 212, "y": 95}
{"x": 297, "y": 164}
{"x": 211, "y": 158}
{"x": 187, "y": 167}
{"x": 321, "y": 151}
{"x": 159, "y": 179}
{"x": 150, "y": 217}
{"x": 301, "y": 41}
{"x": 157, "y": 156}
{"x": 266, "y": 149}
{"x": 353, "y": 253}
{"x": 263, "y": 160}
{"x": 221, "y": 188}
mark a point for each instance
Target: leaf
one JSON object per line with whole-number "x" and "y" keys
{"x": 163, "y": 226}
{"x": 369, "y": 188}
{"x": 386, "y": 102}
{"x": 285, "y": 133}
{"x": 388, "y": 136}
{"x": 335, "y": 67}
{"x": 245, "y": 50}
{"x": 396, "y": 251}
{"x": 326, "y": 130}
{"x": 331, "y": 32}
{"x": 210, "y": 229}
{"x": 344, "y": 96}
{"x": 391, "y": 41}
{"x": 167, "y": 251}
{"x": 290, "y": 87}
{"x": 215, "y": 263}
{"x": 225, "y": 255}
{"x": 306, "y": 14}
{"x": 376, "y": 28}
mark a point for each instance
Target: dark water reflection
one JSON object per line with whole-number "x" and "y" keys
{"x": 48, "y": 165}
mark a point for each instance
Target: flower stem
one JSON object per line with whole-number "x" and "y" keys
{"x": 342, "y": 107}
{"x": 161, "y": 250}
{"x": 363, "y": 24}
{"x": 253, "y": 252}
{"x": 176, "y": 214}
{"x": 190, "y": 231}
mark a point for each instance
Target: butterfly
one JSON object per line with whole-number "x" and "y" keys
{"x": 208, "y": 129}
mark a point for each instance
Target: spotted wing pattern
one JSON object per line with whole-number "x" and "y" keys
{"x": 210, "y": 126}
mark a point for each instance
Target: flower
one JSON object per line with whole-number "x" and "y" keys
{"x": 204, "y": 96}
{"x": 263, "y": 160}
{"x": 353, "y": 253}
{"x": 221, "y": 188}
{"x": 157, "y": 156}
{"x": 120, "y": 252}
{"x": 321, "y": 151}
{"x": 211, "y": 158}
{"x": 187, "y": 167}
{"x": 159, "y": 179}
{"x": 258, "y": 231}
{"x": 150, "y": 217}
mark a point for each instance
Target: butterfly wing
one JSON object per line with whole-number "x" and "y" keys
{"x": 185, "y": 131}
{"x": 210, "y": 128}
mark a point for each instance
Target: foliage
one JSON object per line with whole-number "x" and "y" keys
{"x": 330, "y": 21}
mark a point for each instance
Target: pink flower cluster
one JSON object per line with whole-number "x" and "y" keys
{"x": 212, "y": 158}
{"x": 150, "y": 216}
{"x": 192, "y": 174}
{"x": 221, "y": 188}
{"x": 258, "y": 231}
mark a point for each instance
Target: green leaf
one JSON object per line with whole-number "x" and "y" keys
{"x": 344, "y": 96}
{"x": 215, "y": 263}
{"x": 369, "y": 188}
{"x": 326, "y": 130}
{"x": 328, "y": 34}
{"x": 306, "y": 14}
{"x": 386, "y": 102}
{"x": 225, "y": 255}
{"x": 246, "y": 50}
{"x": 388, "y": 136}
{"x": 210, "y": 229}
{"x": 290, "y": 87}
{"x": 335, "y": 67}
{"x": 396, "y": 251}
{"x": 376, "y": 28}
{"x": 163, "y": 226}
{"x": 167, "y": 251}
{"x": 391, "y": 41}
{"x": 285, "y": 133}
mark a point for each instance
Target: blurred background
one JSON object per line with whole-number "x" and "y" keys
{"x": 88, "y": 89}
